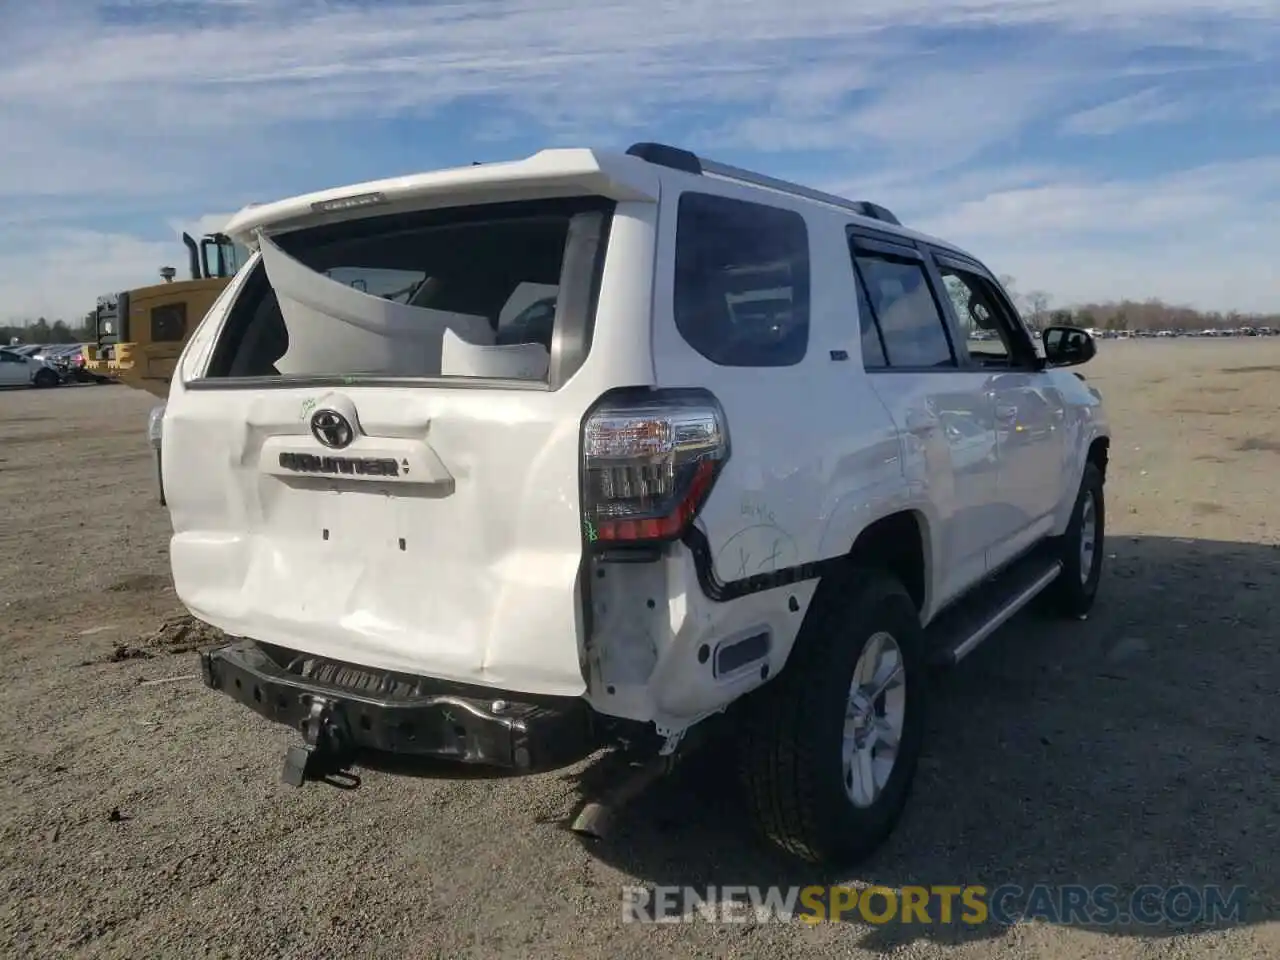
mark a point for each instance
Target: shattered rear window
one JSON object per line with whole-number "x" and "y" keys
{"x": 472, "y": 292}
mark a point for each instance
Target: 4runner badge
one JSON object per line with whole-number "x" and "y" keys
{"x": 332, "y": 429}
{"x": 339, "y": 466}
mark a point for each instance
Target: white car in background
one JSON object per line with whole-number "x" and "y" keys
{"x": 17, "y": 370}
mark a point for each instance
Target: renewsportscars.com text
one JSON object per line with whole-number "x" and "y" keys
{"x": 970, "y": 904}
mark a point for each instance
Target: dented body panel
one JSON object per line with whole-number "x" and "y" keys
{"x": 466, "y": 567}
{"x": 444, "y": 536}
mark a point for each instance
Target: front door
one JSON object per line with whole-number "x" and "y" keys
{"x": 1029, "y": 412}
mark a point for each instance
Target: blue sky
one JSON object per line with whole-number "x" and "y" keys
{"x": 1093, "y": 150}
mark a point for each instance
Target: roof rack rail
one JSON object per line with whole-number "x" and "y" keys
{"x": 689, "y": 162}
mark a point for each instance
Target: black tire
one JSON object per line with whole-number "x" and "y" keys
{"x": 160, "y": 478}
{"x": 1072, "y": 594}
{"x": 790, "y": 756}
{"x": 46, "y": 378}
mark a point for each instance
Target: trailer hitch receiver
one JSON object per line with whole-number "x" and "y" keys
{"x": 326, "y": 746}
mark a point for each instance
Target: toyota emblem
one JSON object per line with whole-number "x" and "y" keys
{"x": 332, "y": 429}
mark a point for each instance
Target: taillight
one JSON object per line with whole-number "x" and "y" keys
{"x": 648, "y": 465}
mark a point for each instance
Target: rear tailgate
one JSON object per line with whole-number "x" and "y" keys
{"x": 426, "y": 524}
{"x": 463, "y": 567}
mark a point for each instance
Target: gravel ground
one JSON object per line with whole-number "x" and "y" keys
{"x": 1138, "y": 747}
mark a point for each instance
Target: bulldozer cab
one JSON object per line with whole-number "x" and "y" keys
{"x": 219, "y": 257}
{"x": 141, "y": 332}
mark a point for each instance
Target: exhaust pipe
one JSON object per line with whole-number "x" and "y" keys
{"x": 193, "y": 256}
{"x": 596, "y": 818}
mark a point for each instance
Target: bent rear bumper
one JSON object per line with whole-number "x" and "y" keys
{"x": 400, "y": 714}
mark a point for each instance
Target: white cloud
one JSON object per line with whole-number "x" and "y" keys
{"x": 128, "y": 117}
{"x": 1202, "y": 236}
{"x": 1232, "y": 194}
{"x": 61, "y": 273}
{"x": 1146, "y": 107}
{"x": 208, "y": 223}
{"x": 1179, "y": 273}
{"x": 930, "y": 119}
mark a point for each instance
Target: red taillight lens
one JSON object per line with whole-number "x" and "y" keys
{"x": 648, "y": 466}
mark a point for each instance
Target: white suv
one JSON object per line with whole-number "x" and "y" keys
{"x": 502, "y": 462}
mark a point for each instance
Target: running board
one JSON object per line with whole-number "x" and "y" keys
{"x": 977, "y": 617}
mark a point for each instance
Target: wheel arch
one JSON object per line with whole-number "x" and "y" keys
{"x": 1096, "y": 451}
{"x": 900, "y": 544}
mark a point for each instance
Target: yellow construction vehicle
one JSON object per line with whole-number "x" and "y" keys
{"x": 139, "y": 333}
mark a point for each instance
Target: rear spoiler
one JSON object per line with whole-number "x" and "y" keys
{"x": 546, "y": 174}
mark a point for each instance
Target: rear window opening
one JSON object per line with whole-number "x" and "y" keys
{"x": 500, "y": 292}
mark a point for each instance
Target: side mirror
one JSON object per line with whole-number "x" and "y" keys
{"x": 1068, "y": 346}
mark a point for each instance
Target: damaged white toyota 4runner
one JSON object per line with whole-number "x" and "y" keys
{"x": 503, "y": 462}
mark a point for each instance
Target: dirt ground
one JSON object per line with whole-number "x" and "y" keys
{"x": 1139, "y": 747}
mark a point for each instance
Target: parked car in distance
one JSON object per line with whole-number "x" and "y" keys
{"x": 21, "y": 369}
{"x": 60, "y": 356}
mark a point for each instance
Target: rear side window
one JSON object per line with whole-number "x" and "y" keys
{"x": 742, "y": 281}
{"x": 904, "y": 308}
{"x": 493, "y": 292}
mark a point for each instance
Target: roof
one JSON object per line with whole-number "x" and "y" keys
{"x": 631, "y": 176}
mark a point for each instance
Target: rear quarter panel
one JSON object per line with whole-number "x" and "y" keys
{"x": 815, "y": 458}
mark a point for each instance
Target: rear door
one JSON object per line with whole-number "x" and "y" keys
{"x": 363, "y": 463}
{"x": 945, "y": 417}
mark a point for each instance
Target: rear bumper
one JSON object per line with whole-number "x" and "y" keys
{"x": 399, "y": 714}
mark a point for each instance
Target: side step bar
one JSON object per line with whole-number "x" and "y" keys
{"x": 976, "y": 618}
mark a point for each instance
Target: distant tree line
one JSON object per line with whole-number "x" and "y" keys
{"x": 42, "y": 331}
{"x": 1152, "y": 314}
{"x": 1155, "y": 314}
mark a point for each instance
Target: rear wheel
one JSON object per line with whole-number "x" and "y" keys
{"x": 45, "y": 378}
{"x": 830, "y": 748}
